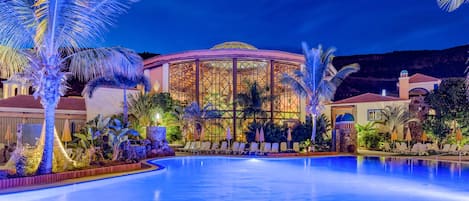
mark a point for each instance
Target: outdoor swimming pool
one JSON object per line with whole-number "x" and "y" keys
{"x": 223, "y": 178}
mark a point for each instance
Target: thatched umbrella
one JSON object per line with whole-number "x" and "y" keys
{"x": 458, "y": 135}
{"x": 424, "y": 137}
{"x": 257, "y": 135}
{"x": 8, "y": 134}
{"x": 66, "y": 133}
{"x": 261, "y": 135}
{"x": 408, "y": 136}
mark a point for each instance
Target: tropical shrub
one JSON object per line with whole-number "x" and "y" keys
{"x": 368, "y": 135}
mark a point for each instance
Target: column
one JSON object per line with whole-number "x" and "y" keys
{"x": 272, "y": 83}
{"x": 197, "y": 79}
{"x": 235, "y": 93}
{"x": 165, "y": 77}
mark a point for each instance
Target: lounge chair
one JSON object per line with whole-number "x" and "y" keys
{"x": 241, "y": 148}
{"x": 186, "y": 147}
{"x": 191, "y": 147}
{"x": 223, "y": 148}
{"x": 387, "y": 148}
{"x": 205, "y": 147}
{"x": 261, "y": 147}
{"x": 253, "y": 148}
{"x": 283, "y": 147}
{"x": 465, "y": 149}
{"x": 197, "y": 147}
{"x": 453, "y": 149}
{"x": 296, "y": 146}
{"x": 445, "y": 149}
{"x": 275, "y": 147}
{"x": 234, "y": 148}
{"x": 214, "y": 148}
{"x": 267, "y": 148}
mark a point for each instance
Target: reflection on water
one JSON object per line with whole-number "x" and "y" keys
{"x": 324, "y": 178}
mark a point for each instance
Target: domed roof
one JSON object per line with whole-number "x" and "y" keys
{"x": 347, "y": 117}
{"x": 233, "y": 45}
{"x": 338, "y": 118}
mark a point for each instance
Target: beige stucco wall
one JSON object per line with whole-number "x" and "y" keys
{"x": 106, "y": 101}
{"x": 361, "y": 110}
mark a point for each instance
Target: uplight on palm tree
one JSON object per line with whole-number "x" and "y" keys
{"x": 42, "y": 38}
{"x": 318, "y": 80}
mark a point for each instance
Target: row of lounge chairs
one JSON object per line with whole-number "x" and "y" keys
{"x": 423, "y": 149}
{"x": 237, "y": 148}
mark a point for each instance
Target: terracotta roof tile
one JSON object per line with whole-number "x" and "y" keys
{"x": 367, "y": 97}
{"x": 24, "y": 101}
{"x": 417, "y": 77}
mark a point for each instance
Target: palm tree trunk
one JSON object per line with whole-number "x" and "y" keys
{"x": 313, "y": 132}
{"x": 49, "y": 99}
{"x": 126, "y": 107}
{"x": 45, "y": 167}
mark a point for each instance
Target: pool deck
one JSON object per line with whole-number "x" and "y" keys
{"x": 464, "y": 159}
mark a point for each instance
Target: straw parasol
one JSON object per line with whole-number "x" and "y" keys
{"x": 202, "y": 134}
{"x": 424, "y": 137}
{"x": 408, "y": 136}
{"x": 66, "y": 134}
{"x": 394, "y": 136}
{"x": 289, "y": 136}
{"x": 257, "y": 135}
{"x": 228, "y": 135}
{"x": 8, "y": 134}
{"x": 458, "y": 135}
{"x": 261, "y": 135}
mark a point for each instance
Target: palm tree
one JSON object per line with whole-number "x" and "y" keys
{"x": 143, "y": 108}
{"x": 121, "y": 81}
{"x": 41, "y": 37}
{"x": 394, "y": 117}
{"x": 199, "y": 116}
{"x": 253, "y": 99}
{"x": 318, "y": 81}
{"x": 450, "y": 6}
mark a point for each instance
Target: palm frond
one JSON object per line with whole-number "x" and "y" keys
{"x": 90, "y": 63}
{"x": 75, "y": 23}
{"x": 295, "y": 84}
{"x": 12, "y": 61}
{"x": 17, "y": 23}
{"x": 93, "y": 84}
{"x": 450, "y": 5}
{"x": 343, "y": 73}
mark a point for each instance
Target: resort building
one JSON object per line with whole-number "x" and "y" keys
{"x": 219, "y": 74}
{"x": 367, "y": 107}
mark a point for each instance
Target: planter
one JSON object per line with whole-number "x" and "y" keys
{"x": 56, "y": 177}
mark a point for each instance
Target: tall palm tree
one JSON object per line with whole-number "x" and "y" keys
{"x": 318, "y": 81}
{"x": 253, "y": 99}
{"x": 450, "y": 6}
{"x": 41, "y": 37}
{"x": 198, "y": 116}
{"x": 121, "y": 81}
{"x": 394, "y": 117}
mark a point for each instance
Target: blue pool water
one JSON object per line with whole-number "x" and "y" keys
{"x": 222, "y": 178}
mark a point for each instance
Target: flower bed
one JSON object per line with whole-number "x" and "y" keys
{"x": 56, "y": 177}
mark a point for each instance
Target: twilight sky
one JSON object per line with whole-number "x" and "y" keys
{"x": 352, "y": 26}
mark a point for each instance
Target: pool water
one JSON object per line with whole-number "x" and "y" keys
{"x": 224, "y": 178}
